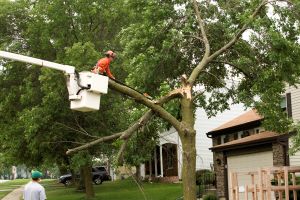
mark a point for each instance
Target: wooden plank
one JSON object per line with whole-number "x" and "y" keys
{"x": 286, "y": 183}
{"x": 237, "y": 186}
{"x": 294, "y": 183}
{"x": 268, "y": 184}
{"x": 237, "y": 196}
{"x": 255, "y": 192}
{"x": 283, "y": 187}
{"x": 260, "y": 181}
{"x": 231, "y": 190}
{"x": 252, "y": 181}
{"x": 279, "y": 184}
{"x": 246, "y": 192}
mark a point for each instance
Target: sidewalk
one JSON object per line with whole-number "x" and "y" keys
{"x": 15, "y": 194}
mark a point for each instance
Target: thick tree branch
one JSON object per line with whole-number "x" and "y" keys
{"x": 145, "y": 101}
{"x": 206, "y": 60}
{"x": 121, "y": 152}
{"x": 202, "y": 29}
{"x": 125, "y": 135}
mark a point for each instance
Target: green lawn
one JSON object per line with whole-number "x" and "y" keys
{"x": 7, "y": 187}
{"x": 118, "y": 190}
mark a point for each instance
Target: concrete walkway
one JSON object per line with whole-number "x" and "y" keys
{"x": 15, "y": 194}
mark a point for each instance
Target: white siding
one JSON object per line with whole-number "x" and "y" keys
{"x": 203, "y": 125}
{"x": 203, "y": 143}
{"x": 295, "y": 100}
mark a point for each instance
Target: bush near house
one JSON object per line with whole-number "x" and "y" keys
{"x": 210, "y": 197}
{"x": 204, "y": 179}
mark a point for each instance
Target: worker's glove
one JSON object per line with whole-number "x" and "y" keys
{"x": 95, "y": 70}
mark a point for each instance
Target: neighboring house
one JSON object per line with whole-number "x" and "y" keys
{"x": 167, "y": 158}
{"x": 242, "y": 144}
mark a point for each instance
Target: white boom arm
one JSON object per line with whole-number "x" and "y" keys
{"x": 84, "y": 91}
{"x": 66, "y": 68}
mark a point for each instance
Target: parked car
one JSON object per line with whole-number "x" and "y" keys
{"x": 99, "y": 174}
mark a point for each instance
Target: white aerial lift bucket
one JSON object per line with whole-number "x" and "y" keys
{"x": 89, "y": 99}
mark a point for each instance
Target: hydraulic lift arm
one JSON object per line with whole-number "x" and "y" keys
{"x": 84, "y": 88}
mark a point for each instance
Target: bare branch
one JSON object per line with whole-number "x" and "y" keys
{"x": 194, "y": 36}
{"x": 65, "y": 141}
{"x": 246, "y": 74}
{"x": 78, "y": 131}
{"x": 87, "y": 145}
{"x": 197, "y": 95}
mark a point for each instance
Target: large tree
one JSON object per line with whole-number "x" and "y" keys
{"x": 210, "y": 54}
{"x": 37, "y": 126}
{"x": 185, "y": 54}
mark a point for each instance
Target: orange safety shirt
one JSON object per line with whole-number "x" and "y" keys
{"x": 103, "y": 66}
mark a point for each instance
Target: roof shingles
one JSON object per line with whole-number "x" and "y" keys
{"x": 245, "y": 118}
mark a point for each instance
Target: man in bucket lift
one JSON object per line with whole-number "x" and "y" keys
{"x": 102, "y": 65}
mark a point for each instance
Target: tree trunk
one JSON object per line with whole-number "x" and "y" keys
{"x": 89, "y": 189}
{"x": 138, "y": 173}
{"x": 79, "y": 181}
{"x": 189, "y": 167}
{"x": 188, "y": 139}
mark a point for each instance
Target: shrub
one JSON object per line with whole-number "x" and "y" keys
{"x": 205, "y": 177}
{"x": 210, "y": 197}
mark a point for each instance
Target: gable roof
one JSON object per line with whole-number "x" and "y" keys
{"x": 256, "y": 139}
{"x": 248, "y": 117}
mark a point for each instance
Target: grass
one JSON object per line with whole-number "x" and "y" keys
{"x": 118, "y": 190}
{"x": 8, "y": 186}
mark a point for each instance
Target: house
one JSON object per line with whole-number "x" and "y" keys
{"x": 167, "y": 158}
{"x": 242, "y": 144}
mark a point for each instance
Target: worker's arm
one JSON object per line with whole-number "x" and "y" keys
{"x": 109, "y": 73}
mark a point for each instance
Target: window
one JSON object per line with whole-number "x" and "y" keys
{"x": 218, "y": 140}
{"x": 245, "y": 134}
{"x": 236, "y": 136}
{"x": 283, "y": 103}
{"x": 170, "y": 156}
{"x": 226, "y": 139}
{"x": 286, "y": 104}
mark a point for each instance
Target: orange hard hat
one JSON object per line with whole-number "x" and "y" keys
{"x": 110, "y": 53}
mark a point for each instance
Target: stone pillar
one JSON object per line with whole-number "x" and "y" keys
{"x": 278, "y": 154}
{"x": 219, "y": 165}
